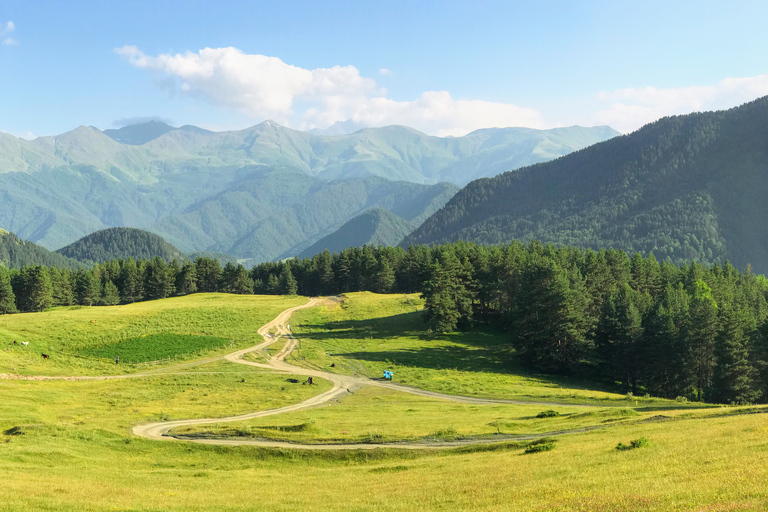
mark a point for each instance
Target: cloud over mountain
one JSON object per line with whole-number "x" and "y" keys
{"x": 267, "y": 87}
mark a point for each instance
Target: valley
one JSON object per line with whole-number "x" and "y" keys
{"x": 461, "y": 452}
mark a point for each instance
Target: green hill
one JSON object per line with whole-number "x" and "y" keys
{"x": 688, "y": 187}
{"x": 373, "y": 227}
{"x": 121, "y": 243}
{"x": 16, "y": 253}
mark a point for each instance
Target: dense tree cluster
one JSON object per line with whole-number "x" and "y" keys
{"x": 668, "y": 330}
{"x": 113, "y": 243}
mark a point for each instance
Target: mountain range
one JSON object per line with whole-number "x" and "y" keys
{"x": 689, "y": 187}
{"x": 261, "y": 193}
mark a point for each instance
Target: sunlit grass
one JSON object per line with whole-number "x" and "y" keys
{"x": 370, "y": 333}
{"x": 62, "y": 332}
{"x": 75, "y": 452}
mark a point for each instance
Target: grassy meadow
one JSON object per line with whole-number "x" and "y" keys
{"x": 368, "y": 333}
{"x": 67, "y": 445}
{"x": 64, "y": 332}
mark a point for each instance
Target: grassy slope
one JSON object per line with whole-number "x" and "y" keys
{"x": 371, "y": 333}
{"x": 60, "y": 332}
{"x": 76, "y": 452}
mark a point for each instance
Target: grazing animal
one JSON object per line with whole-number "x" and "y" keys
{"x": 25, "y": 343}
{"x": 15, "y": 342}
{"x": 46, "y": 356}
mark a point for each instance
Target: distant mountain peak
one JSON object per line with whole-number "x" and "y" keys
{"x": 339, "y": 128}
{"x": 140, "y": 133}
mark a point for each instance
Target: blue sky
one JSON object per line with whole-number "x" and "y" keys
{"x": 443, "y": 67}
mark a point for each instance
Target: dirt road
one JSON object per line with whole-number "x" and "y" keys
{"x": 342, "y": 384}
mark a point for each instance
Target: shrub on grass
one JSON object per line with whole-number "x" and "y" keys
{"x": 446, "y": 434}
{"x": 548, "y": 414}
{"x": 635, "y": 443}
{"x": 14, "y": 431}
{"x": 540, "y": 447}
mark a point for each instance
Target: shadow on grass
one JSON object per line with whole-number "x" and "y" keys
{"x": 479, "y": 350}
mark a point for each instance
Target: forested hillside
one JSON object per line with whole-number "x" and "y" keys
{"x": 259, "y": 193}
{"x": 688, "y": 331}
{"x": 16, "y": 253}
{"x": 121, "y": 243}
{"x": 373, "y": 227}
{"x": 687, "y": 188}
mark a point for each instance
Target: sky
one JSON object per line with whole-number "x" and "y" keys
{"x": 445, "y": 68}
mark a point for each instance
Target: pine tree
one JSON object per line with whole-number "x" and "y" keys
{"x": 440, "y": 307}
{"x": 241, "y": 282}
{"x": 40, "y": 288}
{"x": 186, "y": 280}
{"x": 384, "y": 279}
{"x": 551, "y": 322}
{"x": 619, "y": 332}
{"x": 7, "y": 297}
{"x": 208, "y": 274}
{"x": 158, "y": 282}
{"x": 87, "y": 288}
{"x": 110, "y": 296}
{"x": 61, "y": 279}
{"x": 129, "y": 283}
{"x": 700, "y": 336}
{"x": 734, "y": 375}
{"x": 288, "y": 285}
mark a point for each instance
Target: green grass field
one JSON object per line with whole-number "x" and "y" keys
{"x": 64, "y": 332}
{"x": 156, "y": 347}
{"x": 370, "y": 333}
{"x": 67, "y": 445}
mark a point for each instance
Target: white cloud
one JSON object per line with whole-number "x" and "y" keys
{"x": 6, "y": 30}
{"x": 265, "y": 86}
{"x": 385, "y": 72}
{"x": 630, "y": 108}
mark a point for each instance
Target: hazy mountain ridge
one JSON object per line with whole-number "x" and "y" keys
{"x": 198, "y": 189}
{"x": 146, "y": 151}
{"x": 685, "y": 187}
{"x": 372, "y": 227}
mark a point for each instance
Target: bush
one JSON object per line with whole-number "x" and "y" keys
{"x": 447, "y": 434}
{"x": 540, "y": 447}
{"x": 548, "y": 414}
{"x": 635, "y": 443}
{"x": 681, "y": 399}
{"x": 630, "y": 395}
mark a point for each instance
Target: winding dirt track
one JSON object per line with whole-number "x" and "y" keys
{"x": 342, "y": 385}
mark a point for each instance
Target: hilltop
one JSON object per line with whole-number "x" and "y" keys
{"x": 121, "y": 243}
{"x": 689, "y": 187}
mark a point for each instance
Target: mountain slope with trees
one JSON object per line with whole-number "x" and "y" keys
{"x": 16, "y": 253}
{"x": 687, "y": 188}
{"x": 373, "y": 227}
{"x": 121, "y": 243}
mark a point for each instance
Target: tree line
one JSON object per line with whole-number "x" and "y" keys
{"x": 693, "y": 331}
